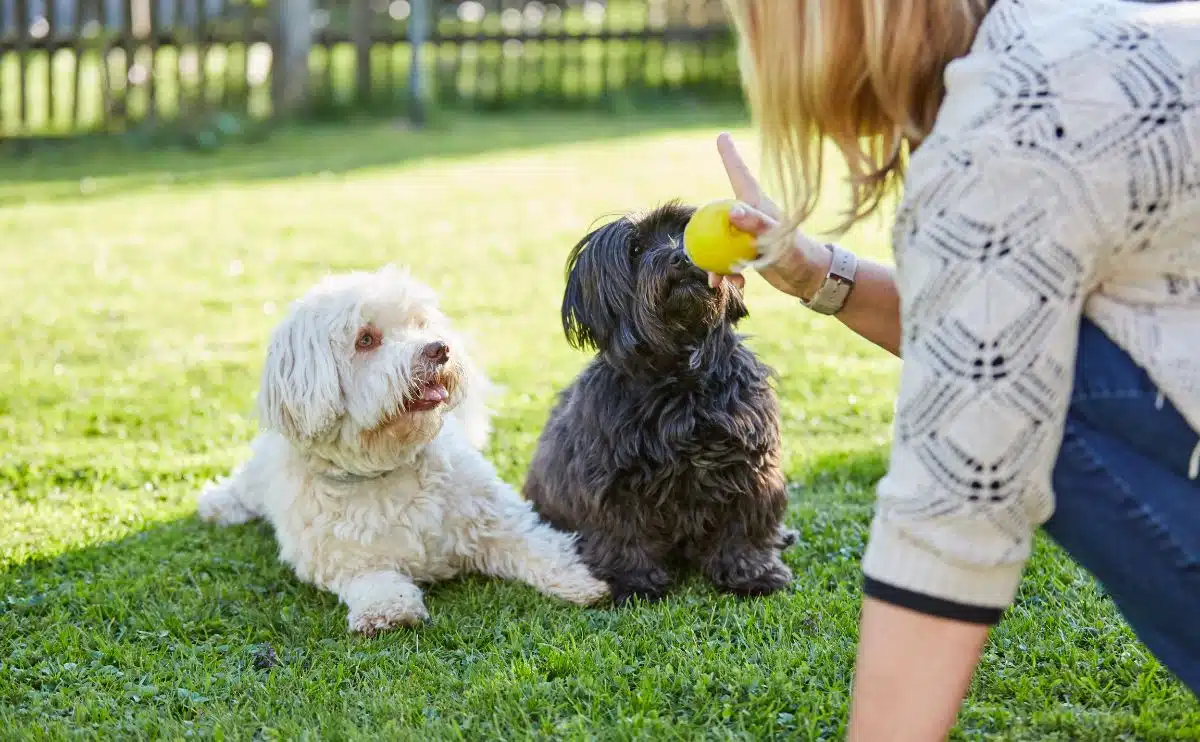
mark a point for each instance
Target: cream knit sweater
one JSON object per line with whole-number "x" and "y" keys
{"x": 1062, "y": 178}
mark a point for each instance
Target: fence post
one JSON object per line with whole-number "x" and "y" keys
{"x": 360, "y": 31}
{"x": 293, "y": 45}
{"x": 418, "y": 32}
{"x": 22, "y": 17}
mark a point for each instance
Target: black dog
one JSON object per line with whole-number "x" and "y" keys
{"x": 664, "y": 452}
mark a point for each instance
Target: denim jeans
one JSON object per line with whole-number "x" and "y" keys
{"x": 1128, "y": 500}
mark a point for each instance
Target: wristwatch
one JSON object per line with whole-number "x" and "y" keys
{"x": 831, "y": 296}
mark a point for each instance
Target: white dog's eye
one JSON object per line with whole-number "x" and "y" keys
{"x": 369, "y": 338}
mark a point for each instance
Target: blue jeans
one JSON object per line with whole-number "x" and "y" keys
{"x": 1126, "y": 509}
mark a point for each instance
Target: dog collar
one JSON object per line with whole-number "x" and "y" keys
{"x": 340, "y": 476}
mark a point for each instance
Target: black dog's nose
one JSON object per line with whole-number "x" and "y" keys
{"x": 678, "y": 258}
{"x": 438, "y": 352}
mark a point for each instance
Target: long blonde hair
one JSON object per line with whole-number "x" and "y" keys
{"x": 865, "y": 75}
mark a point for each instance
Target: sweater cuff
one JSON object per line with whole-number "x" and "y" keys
{"x": 904, "y": 572}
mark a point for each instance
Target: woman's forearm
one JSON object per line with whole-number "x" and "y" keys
{"x": 912, "y": 673}
{"x": 873, "y": 307}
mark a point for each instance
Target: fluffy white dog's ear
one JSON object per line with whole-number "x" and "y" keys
{"x": 300, "y": 394}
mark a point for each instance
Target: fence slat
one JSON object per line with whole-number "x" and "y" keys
{"x": 105, "y": 67}
{"x": 130, "y": 48}
{"x": 236, "y": 78}
{"x": 22, "y": 14}
{"x": 77, "y": 67}
{"x": 52, "y": 100}
{"x": 180, "y": 38}
{"x": 149, "y": 33}
{"x": 360, "y": 31}
{"x": 202, "y": 54}
{"x": 418, "y": 31}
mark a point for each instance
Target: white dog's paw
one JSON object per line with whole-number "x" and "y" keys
{"x": 401, "y": 611}
{"x": 217, "y": 504}
{"x": 578, "y": 586}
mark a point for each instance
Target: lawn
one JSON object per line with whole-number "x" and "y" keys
{"x": 137, "y": 292}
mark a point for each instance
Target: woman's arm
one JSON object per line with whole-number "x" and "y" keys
{"x": 872, "y": 309}
{"x": 911, "y": 675}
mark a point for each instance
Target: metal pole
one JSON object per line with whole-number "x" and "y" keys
{"x": 418, "y": 32}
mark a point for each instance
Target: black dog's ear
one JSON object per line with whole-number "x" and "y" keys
{"x": 598, "y": 286}
{"x": 575, "y": 304}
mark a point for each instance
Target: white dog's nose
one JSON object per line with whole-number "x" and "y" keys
{"x": 438, "y": 352}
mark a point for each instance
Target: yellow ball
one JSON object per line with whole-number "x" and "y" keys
{"x": 713, "y": 243}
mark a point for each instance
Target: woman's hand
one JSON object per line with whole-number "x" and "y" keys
{"x": 802, "y": 265}
{"x": 873, "y": 308}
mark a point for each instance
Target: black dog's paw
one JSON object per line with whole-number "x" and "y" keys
{"x": 623, "y": 592}
{"x": 774, "y": 576}
{"x": 625, "y": 597}
{"x": 787, "y": 538}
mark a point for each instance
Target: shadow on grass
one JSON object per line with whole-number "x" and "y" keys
{"x": 171, "y": 576}
{"x": 185, "y": 566}
{"x": 90, "y": 169}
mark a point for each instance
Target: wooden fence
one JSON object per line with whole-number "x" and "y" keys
{"x": 77, "y": 66}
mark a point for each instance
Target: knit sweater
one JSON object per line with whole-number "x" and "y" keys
{"x": 1061, "y": 179}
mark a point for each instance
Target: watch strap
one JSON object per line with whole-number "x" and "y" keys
{"x": 834, "y": 290}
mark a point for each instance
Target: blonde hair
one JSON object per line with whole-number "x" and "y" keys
{"x": 865, "y": 75}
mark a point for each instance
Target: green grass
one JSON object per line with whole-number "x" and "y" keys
{"x": 135, "y": 299}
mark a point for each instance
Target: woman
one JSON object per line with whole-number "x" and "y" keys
{"x": 1046, "y": 300}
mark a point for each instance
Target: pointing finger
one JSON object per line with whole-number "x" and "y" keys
{"x": 745, "y": 185}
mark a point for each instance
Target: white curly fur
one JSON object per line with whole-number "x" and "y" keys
{"x": 368, "y": 496}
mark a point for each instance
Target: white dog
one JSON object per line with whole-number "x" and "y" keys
{"x": 370, "y": 469}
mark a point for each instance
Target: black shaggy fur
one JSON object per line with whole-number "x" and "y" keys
{"x": 664, "y": 452}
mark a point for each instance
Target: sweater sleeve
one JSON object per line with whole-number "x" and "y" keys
{"x": 995, "y": 250}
